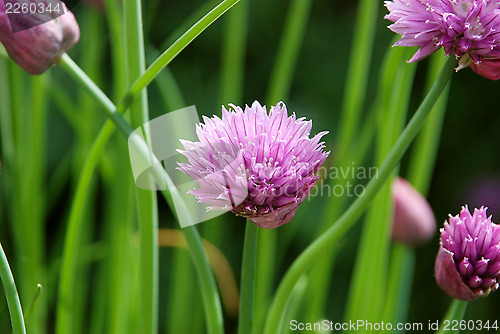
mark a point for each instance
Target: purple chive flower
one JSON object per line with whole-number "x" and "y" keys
{"x": 468, "y": 263}
{"x": 257, "y": 165}
{"x": 467, "y": 29}
{"x": 414, "y": 221}
{"x": 47, "y": 39}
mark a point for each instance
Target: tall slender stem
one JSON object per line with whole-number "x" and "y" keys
{"x": 280, "y": 83}
{"x": 347, "y": 220}
{"x": 209, "y": 291}
{"x": 247, "y": 288}
{"x": 289, "y": 50}
{"x": 146, "y": 199}
{"x": 357, "y": 74}
{"x": 9, "y": 286}
{"x": 456, "y": 311}
{"x": 164, "y": 59}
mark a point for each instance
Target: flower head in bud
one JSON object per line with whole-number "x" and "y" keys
{"x": 41, "y": 45}
{"x": 414, "y": 221}
{"x": 466, "y": 29}
{"x": 468, "y": 263}
{"x": 257, "y": 165}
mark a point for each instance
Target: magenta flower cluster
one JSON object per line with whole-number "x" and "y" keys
{"x": 257, "y": 165}
{"x": 466, "y": 29}
{"x": 468, "y": 262}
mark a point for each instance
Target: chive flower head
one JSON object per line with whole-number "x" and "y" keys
{"x": 466, "y": 29}
{"x": 468, "y": 262}
{"x": 256, "y": 164}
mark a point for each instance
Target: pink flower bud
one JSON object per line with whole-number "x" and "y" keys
{"x": 468, "y": 262}
{"x": 39, "y": 47}
{"x": 414, "y": 221}
{"x": 487, "y": 68}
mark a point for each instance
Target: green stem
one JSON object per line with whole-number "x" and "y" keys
{"x": 279, "y": 90}
{"x": 166, "y": 57}
{"x": 208, "y": 287}
{"x": 247, "y": 288}
{"x": 456, "y": 311}
{"x": 147, "y": 202}
{"x": 367, "y": 299}
{"x": 357, "y": 74}
{"x": 289, "y": 50}
{"x": 345, "y": 222}
{"x": 419, "y": 174}
{"x": 117, "y": 46}
{"x": 9, "y": 286}
{"x": 64, "y": 323}
{"x": 426, "y": 144}
{"x": 210, "y": 294}
{"x": 348, "y": 148}
{"x": 31, "y": 306}
{"x": 33, "y": 183}
{"x": 83, "y": 80}
{"x": 400, "y": 280}
{"x": 151, "y": 72}
{"x": 233, "y": 54}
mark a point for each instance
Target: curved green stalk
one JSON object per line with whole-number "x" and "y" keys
{"x": 347, "y": 138}
{"x": 9, "y": 286}
{"x": 83, "y": 80}
{"x": 426, "y": 144}
{"x": 75, "y": 226}
{"x": 147, "y": 202}
{"x": 419, "y": 175}
{"x": 151, "y": 72}
{"x": 345, "y": 222}
{"x": 207, "y": 283}
{"x": 456, "y": 311}
{"x": 72, "y": 245}
{"x": 208, "y": 287}
{"x": 247, "y": 288}
{"x": 367, "y": 299}
{"x": 166, "y": 57}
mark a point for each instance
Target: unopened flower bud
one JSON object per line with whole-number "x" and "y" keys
{"x": 414, "y": 221}
{"x": 47, "y": 38}
{"x": 487, "y": 68}
{"x": 468, "y": 263}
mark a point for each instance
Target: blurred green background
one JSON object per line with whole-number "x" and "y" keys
{"x": 467, "y": 167}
